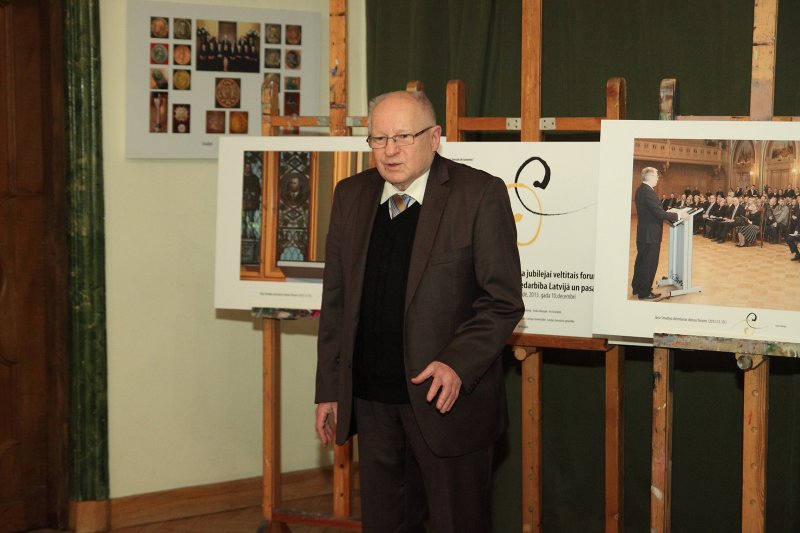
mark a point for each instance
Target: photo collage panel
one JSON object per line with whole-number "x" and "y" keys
{"x": 180, "y": 49}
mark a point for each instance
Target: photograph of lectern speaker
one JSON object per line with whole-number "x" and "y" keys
{"x": 697, "y": 229}
{"x": 715, "y": 222}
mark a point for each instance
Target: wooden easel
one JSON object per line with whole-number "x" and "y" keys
{"x": 275, "y": 518}
{"x": 529, "y": 348}
{"x": 751, "y": 356}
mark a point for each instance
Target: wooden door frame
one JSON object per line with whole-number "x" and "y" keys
{"x": 57, "y": 291}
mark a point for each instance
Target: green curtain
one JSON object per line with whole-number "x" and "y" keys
{"x": 438, "y": 41}
{"x": 707, "y": 46}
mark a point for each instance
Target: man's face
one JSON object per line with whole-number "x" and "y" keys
{"x": 294, "y": 184}
{"x": 401, "y": 165}
{"x": 772, "y": 201}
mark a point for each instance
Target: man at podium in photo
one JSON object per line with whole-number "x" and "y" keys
{"x": 649, "y": 228}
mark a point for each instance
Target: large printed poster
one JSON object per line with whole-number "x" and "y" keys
{"x": 552, "y": 189}
{"x": 197, "y": 72}
{"x": 734, "y": 272}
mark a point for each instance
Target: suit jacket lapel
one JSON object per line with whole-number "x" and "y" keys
{"x": 436, "y": 193}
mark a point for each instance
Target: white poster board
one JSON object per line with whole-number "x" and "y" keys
{"x": 757, "y": 302}
{"x": 195, "y": 73}
{"x": 555, "y": 226}
{"x": 552, "y": 188}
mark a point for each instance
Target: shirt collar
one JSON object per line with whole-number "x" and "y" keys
{"x": 416, "y": 190}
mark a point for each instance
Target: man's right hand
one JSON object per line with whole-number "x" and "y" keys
{"x": 325, "y": 422}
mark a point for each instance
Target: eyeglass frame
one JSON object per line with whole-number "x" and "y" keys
{"x": 411, "y": 137}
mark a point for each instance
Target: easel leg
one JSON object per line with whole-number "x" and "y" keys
{"x": 754, "y": 447}
{"x": 271, "y": 483}
{"x": 661, "y": 466}
{"x": 615, "y": 371}
{"x": 342, "y": 478}
{"x": 532, "y": 443}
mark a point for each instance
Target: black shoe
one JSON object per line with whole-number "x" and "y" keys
{"x": 796, "y": 257}
{"x": 651, "y": 296}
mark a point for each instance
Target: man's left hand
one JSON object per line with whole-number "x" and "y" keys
{"x": 445, "y": 381}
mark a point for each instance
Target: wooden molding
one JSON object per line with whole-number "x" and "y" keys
{"x": 185, "y": 502}
{"x": 89, "y": 516}
{"x": 214, "y": 498}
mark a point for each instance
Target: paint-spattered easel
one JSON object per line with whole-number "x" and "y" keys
{"x": 275, "y": 517}
{"x": 529, "y": 348}
{"x": 752, "y": 356}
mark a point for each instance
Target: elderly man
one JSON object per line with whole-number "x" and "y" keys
{"x": 650, "y": 216}
{"x": 422, "y": 288}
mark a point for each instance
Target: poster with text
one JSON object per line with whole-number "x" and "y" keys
{"x": 730, "y": 269}
{"x": 553, "y": 193}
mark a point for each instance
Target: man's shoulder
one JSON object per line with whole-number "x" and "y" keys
{"x": 362, "y": 179}
{"x": 644, "y": 189}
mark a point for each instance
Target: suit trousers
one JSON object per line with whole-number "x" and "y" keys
{"x": 405, "y": 487}
{"x": 645, "y": 267}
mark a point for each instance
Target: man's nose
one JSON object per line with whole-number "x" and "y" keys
{"x": 391, "y": 146}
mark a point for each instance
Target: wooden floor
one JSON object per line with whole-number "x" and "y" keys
{"x": 750, "y": 277}
{"x": 240, "y": 521}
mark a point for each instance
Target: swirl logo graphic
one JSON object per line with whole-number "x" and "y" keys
{"x": 536, "y": 172}
{"x": 750, "y": 324}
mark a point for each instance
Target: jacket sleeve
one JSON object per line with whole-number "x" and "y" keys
{"x": 329, "y": 338}
{"x": 498, "y": 307}
{"x": 654, "y": 207}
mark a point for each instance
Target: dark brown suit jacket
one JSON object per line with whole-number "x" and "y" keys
{"x": 463, "y": 300}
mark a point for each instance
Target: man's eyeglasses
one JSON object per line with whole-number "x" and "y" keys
{"x": 402, "y": 139}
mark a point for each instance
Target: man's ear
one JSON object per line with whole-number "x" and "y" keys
{"x": 436, "y": 134}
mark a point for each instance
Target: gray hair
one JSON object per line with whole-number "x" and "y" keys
{"x": 649, "y": 171}
{"x": 418, "y": 96}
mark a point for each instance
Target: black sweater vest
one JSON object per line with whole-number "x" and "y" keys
{"x": 379, "y": 370}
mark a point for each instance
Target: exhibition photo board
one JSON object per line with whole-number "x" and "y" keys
{"x": 197, "y": 72}
{"x": 551, "y": 187}
{"x": 744, "y": 283}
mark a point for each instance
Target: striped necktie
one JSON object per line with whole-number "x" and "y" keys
{"x": 398, "y": 203}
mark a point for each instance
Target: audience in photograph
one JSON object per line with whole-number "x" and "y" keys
{"x": 720, "y": 217}
{"x": 792, "y": 240}
{"x": 733, "y": 209}
{"x": 714, "y": 213}
{"x": 771, "y": 228}
{"x": 749, "y": 214}
{"x": 794, "y": 215}
{"x": 748, "y": 227}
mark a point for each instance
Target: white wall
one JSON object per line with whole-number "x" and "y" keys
{"x": 184, "y": 379}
